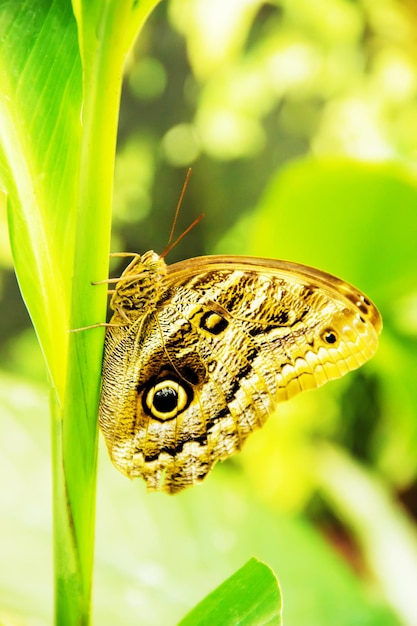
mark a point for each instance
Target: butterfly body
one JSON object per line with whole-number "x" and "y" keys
{"x": 198, "y": 354}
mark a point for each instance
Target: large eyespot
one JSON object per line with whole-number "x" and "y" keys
{"x": 213, "y": 323}
{"x": 165, "y": 399}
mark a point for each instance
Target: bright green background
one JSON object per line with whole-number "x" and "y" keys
{"x": 300, "y": 121}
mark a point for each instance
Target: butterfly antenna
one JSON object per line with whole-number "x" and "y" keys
{"x": 170, "y": 245}
{"x": 168, "y": 248}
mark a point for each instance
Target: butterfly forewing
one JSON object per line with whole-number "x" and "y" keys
{"x": 202, "y": 359}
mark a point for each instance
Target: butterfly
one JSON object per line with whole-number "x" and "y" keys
{"x": 199, "y": 353}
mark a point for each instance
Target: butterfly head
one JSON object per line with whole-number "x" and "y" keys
{"x": 139, "y": 287}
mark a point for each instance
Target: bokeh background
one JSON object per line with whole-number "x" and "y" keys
{"x": 299, "y": 119}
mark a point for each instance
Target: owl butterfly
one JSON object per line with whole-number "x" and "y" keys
{"x": 199, "y": 353}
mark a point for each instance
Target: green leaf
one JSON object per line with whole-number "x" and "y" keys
{"x": 58, "y": 126}
{"x": 251, "y": 596}
{"x": 39, "y": 161}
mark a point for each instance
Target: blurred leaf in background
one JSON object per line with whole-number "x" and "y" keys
{"x": 299, "y": 118}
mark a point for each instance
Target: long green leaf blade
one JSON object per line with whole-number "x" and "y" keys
{"x": 39, "y": 155}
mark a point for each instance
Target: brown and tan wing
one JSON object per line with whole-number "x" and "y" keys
{"x": 184, "y": 386}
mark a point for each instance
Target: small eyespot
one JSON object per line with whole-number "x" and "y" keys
{"x": 213, "y": 323}
{"x": 166, "y": 399}
{"x": 329, "y": 336}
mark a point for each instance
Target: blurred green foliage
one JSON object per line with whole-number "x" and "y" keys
{"x": 299, "y": 118}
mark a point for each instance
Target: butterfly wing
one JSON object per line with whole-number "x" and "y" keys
{"x": 185, "y": 385}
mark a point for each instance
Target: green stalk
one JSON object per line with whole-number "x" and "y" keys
{"x": 102, "y": 32}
